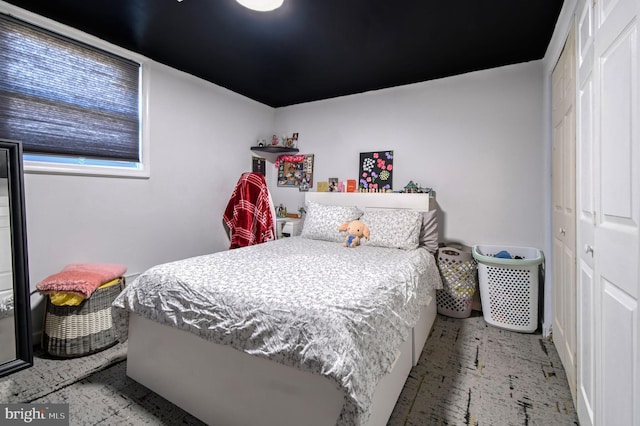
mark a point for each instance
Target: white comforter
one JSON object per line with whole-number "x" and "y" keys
{"x": 314, "y": 305}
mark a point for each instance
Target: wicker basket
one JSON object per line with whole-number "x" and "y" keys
{"x": 73, "y": 331}
{"x": 458, "y": 271}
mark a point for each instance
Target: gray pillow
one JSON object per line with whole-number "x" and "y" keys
{"x": 322, "y": 221}
{"x": 429, "y": 231}
{"x": 393, "y": 228}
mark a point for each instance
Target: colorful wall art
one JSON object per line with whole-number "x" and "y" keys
{"x": 376, "y": 171}
{"x": 295, "y": 171}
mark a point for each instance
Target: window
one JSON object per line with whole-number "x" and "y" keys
{"x": 75, "y": 108}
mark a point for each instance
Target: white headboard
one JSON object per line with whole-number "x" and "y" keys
{"x": 394, "y": 200}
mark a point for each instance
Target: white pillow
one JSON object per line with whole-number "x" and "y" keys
{"x": 322, "y": 221}
{"x": 393, "y": 228}
{"x": 429, "y": 231}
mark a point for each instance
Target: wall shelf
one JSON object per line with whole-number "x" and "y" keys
{"x": 277, "y": 149}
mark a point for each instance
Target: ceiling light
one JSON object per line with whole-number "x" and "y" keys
{"x": 261, "y": 5}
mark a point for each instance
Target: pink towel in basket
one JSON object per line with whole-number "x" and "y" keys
{"x": 81, "y": 278}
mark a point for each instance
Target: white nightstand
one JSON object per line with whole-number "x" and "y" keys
{"x": 288, "y": 226}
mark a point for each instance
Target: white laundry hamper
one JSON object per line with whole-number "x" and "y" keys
{"x": 509, "y": 287}
{"x": 459, "y": 279}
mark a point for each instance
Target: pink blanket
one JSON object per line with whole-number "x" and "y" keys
{"x": 81, "y": 278}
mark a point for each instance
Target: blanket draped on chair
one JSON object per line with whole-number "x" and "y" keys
{"x": 249, "y": 214}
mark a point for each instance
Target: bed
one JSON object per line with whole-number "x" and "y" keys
{"x": 295, "y": 331}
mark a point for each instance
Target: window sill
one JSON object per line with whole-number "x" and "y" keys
{"x": 37, "y": 167}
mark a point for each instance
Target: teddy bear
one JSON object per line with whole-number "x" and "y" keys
{"x": 355, "y": 230}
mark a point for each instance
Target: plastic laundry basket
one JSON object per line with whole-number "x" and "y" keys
{"x": 458, "y": 272}
{"x": 509, "y": 287}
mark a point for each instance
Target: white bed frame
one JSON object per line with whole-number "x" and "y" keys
{"x": 222, "y": 386}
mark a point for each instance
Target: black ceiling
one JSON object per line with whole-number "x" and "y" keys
{"x": 316, "y": 49}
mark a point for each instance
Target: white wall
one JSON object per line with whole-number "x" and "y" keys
{"x": 475, "y": 138}
{"x": 200, "y": 139}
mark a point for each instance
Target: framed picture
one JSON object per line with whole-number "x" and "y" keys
{"x": 258, "y": 165}
{"x": 296, "y": 171}
{"x": 376, "y": 171}
{"x": 333, "y": 184}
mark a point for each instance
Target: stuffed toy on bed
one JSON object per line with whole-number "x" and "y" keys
{"x": 355, "y": 230}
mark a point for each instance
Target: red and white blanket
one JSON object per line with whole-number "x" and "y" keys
{"x": 248, "y": 214}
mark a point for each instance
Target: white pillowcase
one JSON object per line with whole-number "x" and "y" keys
{"x": 393, "y": 228}
{"x": 322, "y": 221}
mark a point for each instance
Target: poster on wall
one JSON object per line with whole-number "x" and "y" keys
{"x": 295, "y": 171}
{"x": 376, "y": 171}
{"x": 258, "y": 165}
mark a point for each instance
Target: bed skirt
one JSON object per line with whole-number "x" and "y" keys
{"x": 73, "y": 331}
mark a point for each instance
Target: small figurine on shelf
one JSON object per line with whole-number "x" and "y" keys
{"x": 411, "y": 187}
{"x": 274, "y": 140}
{"x": 414, "y": 188}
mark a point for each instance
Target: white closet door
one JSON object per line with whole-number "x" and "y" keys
{"x": 586, "y": 313}
{"x": 617, "y": 205}
{"x": 564, "y": 213}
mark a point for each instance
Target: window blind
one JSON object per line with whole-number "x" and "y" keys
{"x": 62, "y": 97}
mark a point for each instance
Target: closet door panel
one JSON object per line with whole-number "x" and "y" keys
{"x": 619, "y": 343}
{"x": 618, "y": 220}
{"x": 586, "y": 344}
{"x": 617, "y": 206}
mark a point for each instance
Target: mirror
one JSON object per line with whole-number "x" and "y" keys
{"x": 16, "y": 351}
